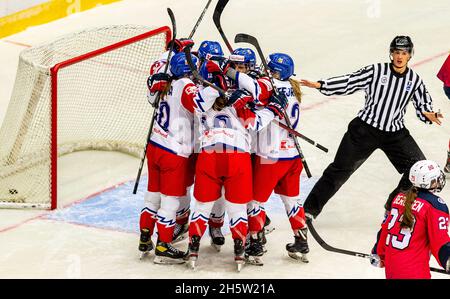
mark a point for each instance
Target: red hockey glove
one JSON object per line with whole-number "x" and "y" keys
{"x": 158, "y": 82}
{"x": 217, "y": 65}
{"x": 180, "y": 44}
{"x": 239, "y": 99}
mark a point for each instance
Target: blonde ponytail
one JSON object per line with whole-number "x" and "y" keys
{"x": 297, "y": 91}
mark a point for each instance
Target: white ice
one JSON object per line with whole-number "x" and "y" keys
{"x": 325, "y": 38}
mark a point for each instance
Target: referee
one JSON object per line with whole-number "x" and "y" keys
{"x": 379, "y": 125}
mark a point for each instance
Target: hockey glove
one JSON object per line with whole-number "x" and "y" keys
{"x": 217, "y": 65}
{"x": 277, "y": 104}
{"x": 220, "y": 81}
{"x": 376, "y": 261}
{"x": 180, "y": 44}
{"x": 239, "y": 99}
{"x": 158, "y": 82}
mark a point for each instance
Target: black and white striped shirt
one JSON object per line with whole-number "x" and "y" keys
{"x": 387, "y": 94}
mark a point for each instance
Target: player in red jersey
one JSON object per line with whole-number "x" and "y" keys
{"x": 416, "y": 225}
{"x": 169, "y": 166}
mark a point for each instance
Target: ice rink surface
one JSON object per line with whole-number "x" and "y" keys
{"x": 95, "y": 236}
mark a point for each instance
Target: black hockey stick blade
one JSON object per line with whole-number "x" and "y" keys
{"x": 328, "y": 247}
{"x": 141, "y": 165}
{"x": 216, "y": 18}
{"x": 199, "y": 19}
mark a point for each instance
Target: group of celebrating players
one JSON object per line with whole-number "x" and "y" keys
{"x": 230, "y": 143}
{"x": 227, "y": 132}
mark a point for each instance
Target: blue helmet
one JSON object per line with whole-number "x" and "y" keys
{"x": 281, "y": 63}
{"x": 179, "y": 66}
{"x": 209, "y": 47}
{"x": 204, "y": 73}
{"x": 244, "y": 55}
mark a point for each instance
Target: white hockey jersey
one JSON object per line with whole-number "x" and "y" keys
{"x": 173, "y": 127}
{"x": 273, "y": 142}
{"x": 229, "y": 127}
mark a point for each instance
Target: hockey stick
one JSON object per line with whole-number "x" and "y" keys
{"x": 187, "y": 51}
{"x": 328, "y": 247}
{"x": 216, "y": 18}
{"x": 245, "y": 38}
{"x": 319, "y": 146}
{"x": 158, "y": 96}
{"x": 199, "y": 20}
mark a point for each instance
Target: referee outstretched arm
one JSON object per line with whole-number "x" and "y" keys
{"x": 388, "y": 88}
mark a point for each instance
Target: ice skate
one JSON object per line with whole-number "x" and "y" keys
{"x": 217, "y": 238}
{"x": 192, "y": 254}
{"x": 299, "y": 249}
{"x": 145, "y": 243}
{"x": 165, "y": 253}
{"x": 267, "y": 227}
{"x": 180, "y": 232}
{"x": 239, "y": 254}
{"x": 254, "y": 252}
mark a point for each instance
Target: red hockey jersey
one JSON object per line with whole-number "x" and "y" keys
{"x": 406, "y": 252}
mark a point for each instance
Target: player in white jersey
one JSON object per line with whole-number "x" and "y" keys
{"x": 206, "y": 51}
{"x": 224, "y": 161}
{"x": 169, "y": 149}
{"x": 277, "y": 165}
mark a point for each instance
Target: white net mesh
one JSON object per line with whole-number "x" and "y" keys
{"x": 101, "y": 105}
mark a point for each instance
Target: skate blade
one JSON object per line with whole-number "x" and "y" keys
{"x": 191, "y": 263}
{"x": 180, "y": 238}
{"x": 254, "y": 260}
{"x": 163, "y": 260}
{"x": 216, "y": 247}
{"x": 143, "y": 255}
{"x": 268, "y": 229}
{"x": 302, "y": 257}
{"x": 239, "y": 265}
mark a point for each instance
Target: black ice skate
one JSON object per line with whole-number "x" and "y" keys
{"x": 165, "y": 253}
{"x": 145, "y": 243}
{"x": 217, "y": 238}
{"x": 239, "y": 254}
{"x": 267, "y": 227}
{"x": 180, "y": 232}
{"x": 192, "y": 254}
{"x": 299, "y": 249}
{"x": 254, "y": 252}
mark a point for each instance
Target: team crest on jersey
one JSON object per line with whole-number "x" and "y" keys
{"x": 191, "y": 90}
{"x": 384, "y": 80}
{"x": 441, "y": 200}
{"x": 408, "y": 86}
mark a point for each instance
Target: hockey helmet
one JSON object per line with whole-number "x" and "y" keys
{"x": 426, "y": 174}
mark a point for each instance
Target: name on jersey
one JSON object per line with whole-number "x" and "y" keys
{"x": 161, "y": 133}
{"x": 288, "y": 91}
{"x": 416, "y": 206}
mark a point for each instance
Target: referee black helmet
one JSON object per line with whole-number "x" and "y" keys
{"x": 402, "y": 42}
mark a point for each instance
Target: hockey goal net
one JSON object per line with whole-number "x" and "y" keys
{"x": 83, "y": 91}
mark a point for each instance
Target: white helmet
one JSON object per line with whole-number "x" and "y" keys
{"x": 426, "y": 174}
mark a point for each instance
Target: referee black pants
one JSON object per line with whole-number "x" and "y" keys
{"x": 358, "y": 143}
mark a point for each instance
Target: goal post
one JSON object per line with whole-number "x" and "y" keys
{"x": 83, "y": 91}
